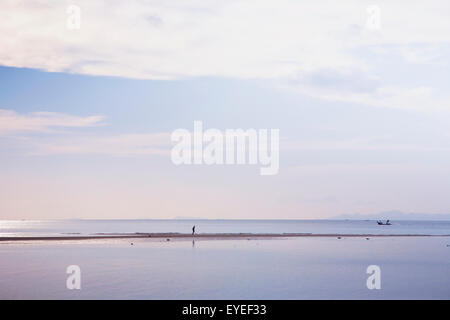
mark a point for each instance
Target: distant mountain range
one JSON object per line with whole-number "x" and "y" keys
{"x": 394, "y": 215}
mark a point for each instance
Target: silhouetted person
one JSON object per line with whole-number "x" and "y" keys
{"x": 193, "y": 230}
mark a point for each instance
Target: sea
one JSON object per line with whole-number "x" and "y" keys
{"x": 20, "y": 228}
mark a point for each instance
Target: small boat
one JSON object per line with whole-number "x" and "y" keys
{"x": 381, "y": 223}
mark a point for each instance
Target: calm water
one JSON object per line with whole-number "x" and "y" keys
{"x": 295, "y": 268}
{"x": 301, "y": 268}
{"x": 84, "y": 227}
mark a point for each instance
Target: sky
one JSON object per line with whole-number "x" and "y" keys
{"x": 90, "y": 92}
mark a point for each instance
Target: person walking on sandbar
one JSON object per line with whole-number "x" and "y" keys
{"x": 193, "y": 230}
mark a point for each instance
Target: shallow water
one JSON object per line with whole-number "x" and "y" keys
{"x": 84, "y": 227}
{"x": 299, "y": 268}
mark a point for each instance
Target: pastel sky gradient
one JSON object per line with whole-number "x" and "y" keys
{"x": 86, "y": 114}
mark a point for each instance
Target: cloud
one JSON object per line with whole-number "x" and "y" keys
{"x": 367, "y": 92}
{"x": 246, "y": 38}
{"x": 313, "y": 44}
{"x": 13, "y": 122}
{"x": 382, "y": 143}
{"x": 337, "y": 81}
{"x": 121, "y": 145}
{"x": 18, "y": 131}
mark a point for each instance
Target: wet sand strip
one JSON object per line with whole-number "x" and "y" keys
{"x": 211, "y": 236}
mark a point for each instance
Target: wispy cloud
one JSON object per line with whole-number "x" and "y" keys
{"x": 13, "y": 122}
{"x": 369, "y": 92}
{"x": 19, "y": 130}
{"x": 121, "y": 145}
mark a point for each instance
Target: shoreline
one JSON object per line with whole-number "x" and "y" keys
{"x": 211, "y": 236}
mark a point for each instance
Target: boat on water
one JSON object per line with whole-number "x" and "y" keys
{"x": 381, "y": 223}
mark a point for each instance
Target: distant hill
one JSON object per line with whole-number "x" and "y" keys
{"x": 394, "y": 215}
